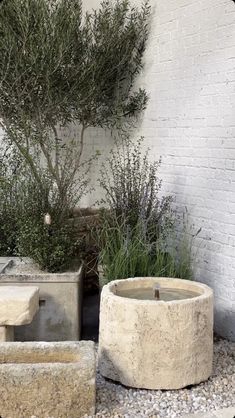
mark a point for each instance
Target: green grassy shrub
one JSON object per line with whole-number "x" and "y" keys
{"x": 129, "y": 253}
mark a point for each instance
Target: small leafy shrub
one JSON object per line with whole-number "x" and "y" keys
{"x": 10, "y": 171}
{"x": 7, "y": 219}
{"x": 52, "y": 246}
{"x": 23, "y": 206}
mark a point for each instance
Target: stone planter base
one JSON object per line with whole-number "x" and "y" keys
{"x": 60, "y": 300}
{"x": 43, "y": 380}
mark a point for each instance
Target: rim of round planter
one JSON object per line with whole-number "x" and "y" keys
{"x": 202, "y": 289}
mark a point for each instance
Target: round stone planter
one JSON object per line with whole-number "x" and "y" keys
{"x": 155, "y": 344}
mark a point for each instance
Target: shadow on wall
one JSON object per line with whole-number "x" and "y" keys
{"x": 97, "y": 141}
{"x": 225, "y": 321}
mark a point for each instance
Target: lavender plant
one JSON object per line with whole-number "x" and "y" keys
{"x": 132, "y": 186}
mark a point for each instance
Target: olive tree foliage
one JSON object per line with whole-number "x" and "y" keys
{"x": 59, "y": 65}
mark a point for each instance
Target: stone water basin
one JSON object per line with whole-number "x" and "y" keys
{"x": 43, "y": 380}
{"x": 156, "y": 333}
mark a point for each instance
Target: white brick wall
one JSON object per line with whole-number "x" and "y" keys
{"x": 190, "y": 121}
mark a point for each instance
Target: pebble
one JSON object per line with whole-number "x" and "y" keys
{"x": 117, "y": 401}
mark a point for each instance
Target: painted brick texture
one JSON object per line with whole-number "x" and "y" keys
{"x": 190, "y": 121}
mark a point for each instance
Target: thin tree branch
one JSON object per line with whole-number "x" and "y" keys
{"x": 24, "y": 152}
{"x": 57, "y": 154}
{"x": 78, "y": 158}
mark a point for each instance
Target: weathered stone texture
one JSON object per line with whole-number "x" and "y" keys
{"x": 47, "y": 380}
{"x": 18, "y": 305}
{"x": 156, "y": 344}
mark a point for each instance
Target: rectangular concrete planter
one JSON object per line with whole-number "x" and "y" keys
{"x": 60, "y": 301}
{"x": 47, "y": 380}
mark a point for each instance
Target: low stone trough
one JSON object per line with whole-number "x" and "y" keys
{"x": 47, "y": 380}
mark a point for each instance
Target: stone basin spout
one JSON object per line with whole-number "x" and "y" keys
{"x": 157, "y": 291}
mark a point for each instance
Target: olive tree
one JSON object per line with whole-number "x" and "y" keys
{"x": 59, "y": 65}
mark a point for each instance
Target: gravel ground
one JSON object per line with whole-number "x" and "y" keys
{"x": 114, "y": 400}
